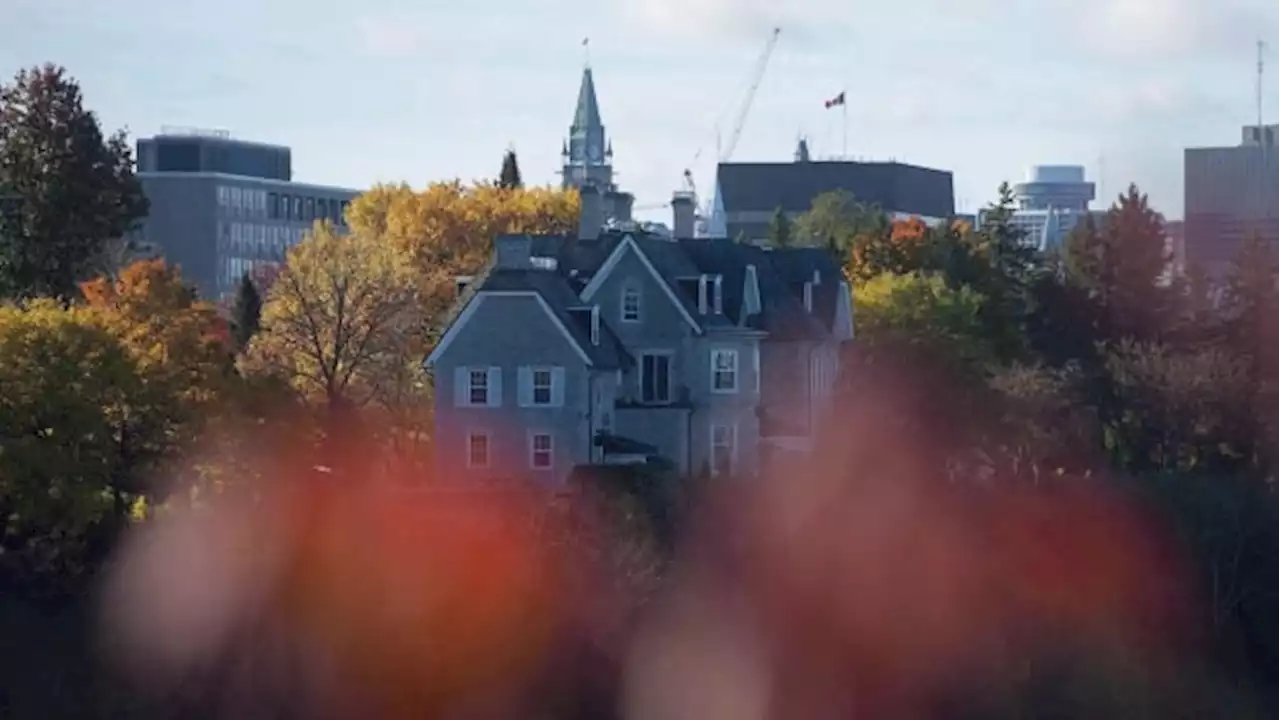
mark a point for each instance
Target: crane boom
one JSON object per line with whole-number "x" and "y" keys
{"x": 741, "y": 118}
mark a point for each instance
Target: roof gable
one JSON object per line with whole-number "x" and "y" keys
{"x": 628, "y": 244}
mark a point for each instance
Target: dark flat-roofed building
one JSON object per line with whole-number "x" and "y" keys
{"x": 748, "y": 194}
{"x": 223, "y": 207}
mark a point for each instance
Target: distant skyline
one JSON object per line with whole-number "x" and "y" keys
{"x": 412, "y": 91}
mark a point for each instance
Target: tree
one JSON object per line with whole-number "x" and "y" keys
{"x": 75, "y": 190}
{"x": 246, "y": 312}
{"x": 67, "y": 383}
{"x": 182, "y": 352}
{"x": 509, "y": 178}
{"x": 1123, "y": 266}
{"x": 779, "y": 229}
{"x": 921, "y": 311}
{"x": 448, "y": 229}
{"x": 341, "y": 325}
{"x": 834, "y": 219}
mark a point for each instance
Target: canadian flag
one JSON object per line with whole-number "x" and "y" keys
{"x": 837, "y": 100}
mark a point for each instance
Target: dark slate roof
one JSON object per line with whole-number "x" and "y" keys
{"x": 797, "y": 265}
{"x": 763, "y": 187}
{"x": 553, "y": 288}
{"x": 782, "y": 312}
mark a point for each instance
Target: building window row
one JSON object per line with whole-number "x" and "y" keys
{"x": 231, "y": 269}
{"x": 242, "y": 202}
{"x": 479, "y": 450}
{"x": 292, "y": 207}
{"x": 301, "y": 208}
{"x": 269, "y": 242}
{"x": 536, "y": 386}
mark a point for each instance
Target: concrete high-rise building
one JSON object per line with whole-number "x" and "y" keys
{"x": 222, "y": 207}
{"x": 1231, "y": 193}
{"x": 1051, "y": 201}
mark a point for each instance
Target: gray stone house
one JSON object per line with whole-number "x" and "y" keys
{"x": 623, "y": 347}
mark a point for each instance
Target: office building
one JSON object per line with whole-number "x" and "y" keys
{"x": 222, "y": 207}
{"x": 1230, "y": 194}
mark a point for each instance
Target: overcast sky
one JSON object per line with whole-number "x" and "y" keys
{"x": 421, "y": 90}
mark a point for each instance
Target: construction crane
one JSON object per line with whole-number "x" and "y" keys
{"x": 745, "y": 108}
{"x": 725, "y": 153}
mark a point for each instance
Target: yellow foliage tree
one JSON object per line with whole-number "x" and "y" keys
{"x": 448, "y": 228}
{"x": 341, "y": 325}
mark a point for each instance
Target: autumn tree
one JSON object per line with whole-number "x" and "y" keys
{"x": 509, "y": 178}
{"x": 181, "y": 349}
{"x": 246, "y": 312}
{"x": 342, "y": 326}
{"x": 448, "y": 229}
{"x": 70, "y": 190}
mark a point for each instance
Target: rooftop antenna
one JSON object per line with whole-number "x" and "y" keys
{"x": 1262, "y": 45}
{"x": 1261, "y": 133}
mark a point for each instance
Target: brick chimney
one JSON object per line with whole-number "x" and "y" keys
{"x": 682, "y": 215}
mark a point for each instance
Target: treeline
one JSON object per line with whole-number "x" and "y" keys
{"x": 997, "y": 365}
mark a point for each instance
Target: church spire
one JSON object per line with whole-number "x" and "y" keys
{"x": 587, "y": 115}
{"x": 588, "y": 159}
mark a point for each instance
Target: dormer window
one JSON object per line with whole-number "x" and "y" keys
{"x": 631, "y": 304}
{"x": 717, "y": 297}
{"x": 702, "y": 294}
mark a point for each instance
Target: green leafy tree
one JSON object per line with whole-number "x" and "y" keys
{"x": 834, "y": 219}
{"x": 246, "y": 312}
{"x": 779, "y": 229}
{"x": 509, "y": 178}
{"x": 71, "y": 191}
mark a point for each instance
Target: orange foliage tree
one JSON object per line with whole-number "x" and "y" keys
{"x": 181, "y": 353}
{"x": 448, "y": 228}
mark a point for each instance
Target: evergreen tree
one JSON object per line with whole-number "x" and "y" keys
{"x": 779, "y": 229}
{"x": 509, "y": 178}
{"x": 246, "y": 312}
{"x": 68, "y": 190}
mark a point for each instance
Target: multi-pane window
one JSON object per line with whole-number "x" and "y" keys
{"x": 478, "y": 386}
{"x": 655, "y": 378}
{"x": 541, "y": 451}
{"x": 724, "y": 370}
{"x": 310, "y": 212}
{"x": 631, "y": 304}
{"x": 478, "y": 450}
{"x": 724, "y": 441}
{"x": 322, "y": 208}
{"x": 542, "y": 381}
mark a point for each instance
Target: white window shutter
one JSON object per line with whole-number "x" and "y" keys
{"x": 524, "y": 386}
{"x": 461, "y": 387}
{"x": 557, "y": 387}
{"x": 495, "y": 387}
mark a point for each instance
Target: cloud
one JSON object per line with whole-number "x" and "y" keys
{"x": 387, "y": 37}
{"x": 1170, "y": 29}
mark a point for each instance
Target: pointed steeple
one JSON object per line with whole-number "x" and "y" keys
{"x": 587, "y": 115}
{"x": 589, "y": 150}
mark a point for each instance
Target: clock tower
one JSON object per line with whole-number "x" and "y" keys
{"x": 588, "y": 155}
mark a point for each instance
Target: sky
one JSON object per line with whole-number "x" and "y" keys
{"x": 422, "y": 90}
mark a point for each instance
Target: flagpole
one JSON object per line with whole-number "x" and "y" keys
{"x": 844, "y": 126}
